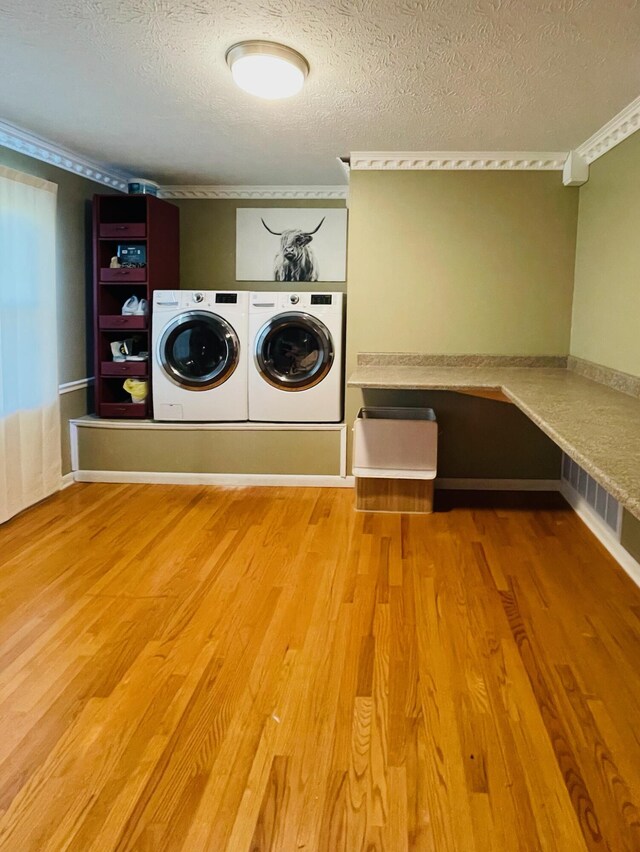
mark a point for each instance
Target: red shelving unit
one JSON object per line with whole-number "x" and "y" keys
{"x": 139, "y": 220}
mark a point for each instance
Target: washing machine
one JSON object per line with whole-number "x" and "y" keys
{"x": 200, "y": 354}
{"x": 295, "y": 368}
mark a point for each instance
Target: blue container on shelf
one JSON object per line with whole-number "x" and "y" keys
{"x": 142, "y": 186}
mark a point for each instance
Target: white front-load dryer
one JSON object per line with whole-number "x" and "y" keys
{"x": 295, "y": 369}
{"x": 200, "y": 355}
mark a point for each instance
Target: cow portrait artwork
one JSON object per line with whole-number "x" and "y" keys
{"x": 291, "y": 245}
{"x": 295, "y": 260}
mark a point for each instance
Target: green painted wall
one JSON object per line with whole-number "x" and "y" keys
{"x": 606, "y": 306}
{"x": 464, "y": 262}
{"x": 208, "y": 245}
{"x": 210, "y": 451}
{"x": 461, "y": 262}
{"x": 630, "y": 534}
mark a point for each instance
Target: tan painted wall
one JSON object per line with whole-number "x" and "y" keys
{"x": 243, "y": 451}
{"x": 464, "y": 262}
{"x": 630, "y": 534}
{"x": 461, "y": 262}
{"x": 606, "y": 306}
{"x": 208, "y": 245}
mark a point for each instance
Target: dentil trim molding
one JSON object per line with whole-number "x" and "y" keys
{"x": 458, "y": 160}
{"x": 48, "y": 152}
{"x": 254, "y": 192}
{"x": 626, "y": 122}
{"x": 622, "y": 125}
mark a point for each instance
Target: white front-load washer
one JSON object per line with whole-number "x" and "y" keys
{"x": 295, "y": 369}
{"x": 200, "y": 355}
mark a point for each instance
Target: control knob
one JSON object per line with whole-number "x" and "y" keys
{"x": 294, "y": 298}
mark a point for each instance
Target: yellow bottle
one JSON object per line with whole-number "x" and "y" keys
{"x": 138, "y": 388}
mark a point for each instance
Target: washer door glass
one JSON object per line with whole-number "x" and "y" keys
{"x": 294, "y": 351}
{"x": 199, "y": 350}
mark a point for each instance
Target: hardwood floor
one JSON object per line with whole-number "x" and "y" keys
{"x": 264, "y": 669}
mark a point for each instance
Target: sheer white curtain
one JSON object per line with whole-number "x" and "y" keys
{"x": 30, "y": 466}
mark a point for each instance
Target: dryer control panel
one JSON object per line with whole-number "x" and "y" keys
{"x": 315, "y": 302}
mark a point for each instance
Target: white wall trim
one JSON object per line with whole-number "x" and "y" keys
{"x": 458, "y": 160}
{"x": 309, "y": 193}
{"x": 48, "y": 152}
{"x": 229, "y": 479}
{"x": 70, "y": 387}
{"x": 602, "y": 532}
{"x": 75, "y": 450}
{"x": 343, "y": 164}
{"x": 343, "y": 453}
{"x": 626, "y": 122}
{"x": 67, "y": 480}
{"x": 462, "y": 484}
{"x": 92, "y": 422}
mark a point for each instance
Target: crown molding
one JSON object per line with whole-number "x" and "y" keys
{"x": 458, "y": 160}
{"x": 48, "y": 152}
{"x": 254, "y": 192}
{"x": 626, "y": 122}
{"x": 622, "y": 125}
{"x": 344, "y": 165}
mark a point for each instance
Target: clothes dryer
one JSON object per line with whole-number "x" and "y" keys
{"x": 295, "y": 369}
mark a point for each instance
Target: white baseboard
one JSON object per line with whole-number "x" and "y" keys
{"x": 602, "y": 532}
{"x": 233, "y": 479}
{"x": 461, "y": 484}
{"x": 310, "y": 480}
{"x": 67, "y": 480}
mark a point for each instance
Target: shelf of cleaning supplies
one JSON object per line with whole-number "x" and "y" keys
{"x": 128, "y": 220}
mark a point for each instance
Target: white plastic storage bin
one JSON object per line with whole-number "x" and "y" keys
{"x": 395, "y": 459}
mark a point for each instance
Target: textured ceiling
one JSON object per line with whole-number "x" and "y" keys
{"x": 143, "y": 85}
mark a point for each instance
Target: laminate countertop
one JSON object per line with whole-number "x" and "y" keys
{"x": 597, "y": 426}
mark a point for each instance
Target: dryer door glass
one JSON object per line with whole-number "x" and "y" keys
{"x": 199, "y": 350}
{"x": 294, "y": 351}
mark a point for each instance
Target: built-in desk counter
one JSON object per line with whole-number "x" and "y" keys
{"x": 595, "y": 425}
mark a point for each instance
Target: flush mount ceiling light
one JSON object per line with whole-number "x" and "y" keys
{"x": 266, "y": 69}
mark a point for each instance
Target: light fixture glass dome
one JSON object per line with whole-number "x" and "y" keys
{"x": 266, "y": 69}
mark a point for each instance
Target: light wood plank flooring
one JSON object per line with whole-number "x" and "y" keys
{"x": 264, "y": 669}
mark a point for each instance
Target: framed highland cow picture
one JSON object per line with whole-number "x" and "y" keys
{"x": 290, "y": 245}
